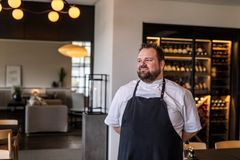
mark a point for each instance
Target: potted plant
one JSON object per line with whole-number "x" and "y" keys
{"x": 62, "y": 75}
{"x": 17, "y": 93}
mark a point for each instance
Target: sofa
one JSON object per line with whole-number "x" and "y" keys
{"x": 49, "y": 117}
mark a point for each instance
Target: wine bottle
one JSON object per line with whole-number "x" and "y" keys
{"x": 184, "y": 50}
{"x": 187, "y": 67}
{"x": 165, "y": 49}
{"x": 170, "y": 49}
{"x": 199, "y": 51}
{"x": 174, "y": 67}
{"x": 177, "y": 67}
{"x": 182, "y": 67}
{"x": 196, "y": 68}
{"x": 175, "y": 50}
{"x": 189, "y": 49}
{"x": 180, "y": 50}
{"x": 204, "y": 68}
{"x": 200, "y": 67}
{"x": 204, "y": 86}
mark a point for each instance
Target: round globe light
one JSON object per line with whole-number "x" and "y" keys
{"x": 14, "y": 3}
{"x": 74, "y": 12}
{"x": 17, "y": 14}
{"x": 53, "y": 16}
{"x": 0, "y": 7}
{"x": 57, "y": 5}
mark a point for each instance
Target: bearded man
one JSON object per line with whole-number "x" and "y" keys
{"x": 152, "y": 114}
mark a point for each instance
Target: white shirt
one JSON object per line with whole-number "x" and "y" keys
{"x": 180, "y": 103}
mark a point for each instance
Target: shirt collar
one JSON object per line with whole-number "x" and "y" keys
{"x": 154, "y": 84}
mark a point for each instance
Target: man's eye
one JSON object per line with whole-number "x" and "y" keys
{"x": 148, "y": 60}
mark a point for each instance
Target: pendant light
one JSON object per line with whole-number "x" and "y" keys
{"x": 14, "y": 3}
{"x": 57, "y": 5}
{"x": 73, "y": 51}
{"x": 74, "y": 12}
{"x": 53, "y": 16}
{"x": 17, "y": 14}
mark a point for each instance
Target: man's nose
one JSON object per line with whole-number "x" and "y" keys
{"x": 142, "y": 63}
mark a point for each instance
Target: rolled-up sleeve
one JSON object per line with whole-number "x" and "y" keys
{"x": 190, "y": 113}
{"x": 114, "y": 115}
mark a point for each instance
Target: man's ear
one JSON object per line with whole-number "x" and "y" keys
{"x": 162, "y": 64}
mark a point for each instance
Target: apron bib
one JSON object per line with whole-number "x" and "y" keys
{"x": 147, "y": 132}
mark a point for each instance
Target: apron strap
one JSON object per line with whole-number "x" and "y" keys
{"x": 163, "y": 88}
{"x": 134, "y": 93}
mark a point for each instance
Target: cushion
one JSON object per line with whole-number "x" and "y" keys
{"x": 36, "y": 100}
{"x": 53, "y": 101}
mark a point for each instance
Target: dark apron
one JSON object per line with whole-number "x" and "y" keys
{"x": 147, "y": 132}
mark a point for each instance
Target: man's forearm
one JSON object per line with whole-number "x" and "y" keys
{"x": 186, "y": 136}
{"x": 117, "y": 129}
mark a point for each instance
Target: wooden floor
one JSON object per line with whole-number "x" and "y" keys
{"x": 70, "y": 140}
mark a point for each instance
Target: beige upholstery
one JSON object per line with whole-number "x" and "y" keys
{"x": 196, "y": 145}
{"x": 53, "y": 101}
{"x": 227, "y": 144}
{"x": 77, "y": 102}
{"x": 77, "y": 108}
{"x": 46, "y": 118}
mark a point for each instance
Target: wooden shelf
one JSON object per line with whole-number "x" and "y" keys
{"x": 220, "y": 49}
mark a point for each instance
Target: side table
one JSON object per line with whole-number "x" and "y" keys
{"x": 17, "y": 111}
{"x": 15, "y": 104}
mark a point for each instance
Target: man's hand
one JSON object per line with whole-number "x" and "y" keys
{"x": 117, "y": 129}
{"x": 186, "y": 136}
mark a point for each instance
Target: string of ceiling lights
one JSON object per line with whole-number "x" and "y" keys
{"x": 57, "y": 7}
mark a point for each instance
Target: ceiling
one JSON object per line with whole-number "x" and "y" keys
{"x": 92, "y": 2}
{"x": 83, "y": 2}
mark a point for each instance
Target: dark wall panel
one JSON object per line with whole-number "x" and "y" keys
{"x": 10, "y": 28}
{"x": 35, "y": 26}
{"x": 83, "y": 27}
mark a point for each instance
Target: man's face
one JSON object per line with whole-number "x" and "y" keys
{"x": 149, "y": 68}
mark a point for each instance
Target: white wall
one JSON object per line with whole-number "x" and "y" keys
{"x": 40, "y": 62}
{"x": 128, "y": 17}
{"x": 103, "y": 56}
{"x": 104, "y": 39}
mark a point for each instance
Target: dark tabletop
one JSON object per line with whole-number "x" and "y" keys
{"x": 16, "y": 103}
{"x": 220, "y": 154}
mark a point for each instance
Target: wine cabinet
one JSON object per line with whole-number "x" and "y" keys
{"x": 203, "y": 67}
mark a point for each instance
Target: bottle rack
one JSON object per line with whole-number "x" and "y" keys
{"x": 219, "y": 118}
{"x": 203, "y": 105}
{"x": 205, "y": 70}
{"x": 176, "y": 46}
{"x": 202, "y": 66}
{"x": 178, "y": 60}
{"x": 220, "y": 79}
{"x": 221, "y": 67}
{"x": 179, "y": 71}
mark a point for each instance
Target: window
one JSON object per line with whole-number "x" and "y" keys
{"x": 81, "y": 67}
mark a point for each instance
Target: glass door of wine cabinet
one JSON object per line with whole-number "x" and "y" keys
{"x": 203, "y": 67}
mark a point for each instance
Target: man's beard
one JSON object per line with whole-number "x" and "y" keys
{"x": 148, "y": 76}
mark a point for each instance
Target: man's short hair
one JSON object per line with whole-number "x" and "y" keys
{"x": 159, "y": 50}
